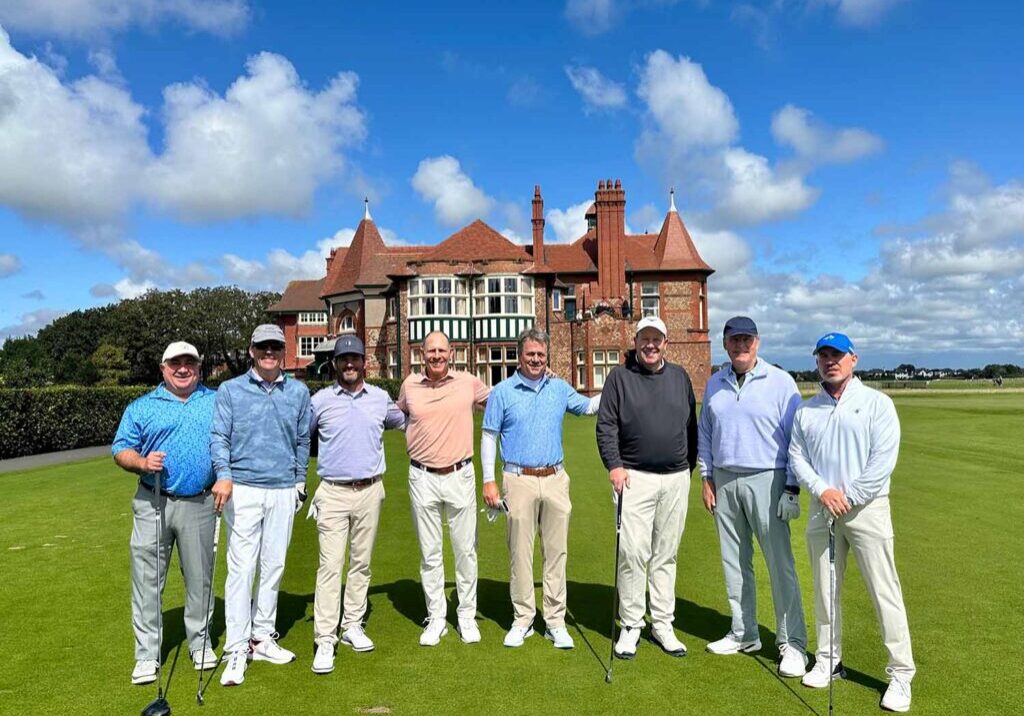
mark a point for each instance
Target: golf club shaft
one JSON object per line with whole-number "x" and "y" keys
{"x": 615, "y": 580}
{"x": 157, "y": 494}
{"x": 831, "y": 606}
{"x": 209, "y": 607}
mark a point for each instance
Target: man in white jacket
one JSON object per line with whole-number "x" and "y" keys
{"x": 843, "y": 450}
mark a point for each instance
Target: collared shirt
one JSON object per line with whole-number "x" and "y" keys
{"x": 159, "y": 420}
{"x": 528, "y": 417}
{"x": 850, "y": 444}
{"x": 261, "y": 438}
{"x": 440, "y": 429}
{"x": 350, "y": 428}
{"x": 747, "y": 427}
{"x": 267, "y": 385}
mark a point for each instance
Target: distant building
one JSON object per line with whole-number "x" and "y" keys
{"x": 482, "y": 289}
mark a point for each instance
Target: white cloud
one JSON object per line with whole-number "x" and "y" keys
{"x": 685, "y": 110}
{"x": 525, "y": 92}
{"x": 35, "y": 295}
{"x": 89, "y": 18}
{"x": 456, "y": 199}
{"x": 861, "y": 13}
{"x": 9, "y": 265}
{"x": 756, "y": 193}
{"x": 127, "y": 288}
{"x": 818, "y": 143}
{"x": 30, "y": 323}
{"x": 262, "y": 148}
{"x": 568, "y": 224}
{"x": 591, "y": 17}
{"x": 648, "y": 218}
{"x": 724, "y": 251}
{"x": 598, "y": 92}
{"x": 993, "y": 215}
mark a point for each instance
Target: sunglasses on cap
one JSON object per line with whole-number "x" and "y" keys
{"x": 268, "y": 346}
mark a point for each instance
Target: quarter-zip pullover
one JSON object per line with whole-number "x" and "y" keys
{"x": 850, "y": 444}
{"x": 746, "y": 428}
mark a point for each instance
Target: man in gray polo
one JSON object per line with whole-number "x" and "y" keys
{"x": 167, "y": 431}
{"x": 743, "y": 439}
{"x": 349, "y": 418}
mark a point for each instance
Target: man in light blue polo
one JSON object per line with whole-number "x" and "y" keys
{"x": 743, "y": 439}
{"x": 526, "y": 411}
{"x": 167, "y": 431}
{"x": 260, "y": 450}
{"x": 349, "y": 418}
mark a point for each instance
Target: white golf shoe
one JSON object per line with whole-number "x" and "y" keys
{"x": 469, "y": 631}
{"x": 323, "y": 661}
{"x": 665, "y": 637}
{"x": 204, "y": 660}
{"x": 897, "y": 696}
{"x": 269, "y": 650}
{"x": 817, "y": 677}
{"x": 793, "y": 662}
{"x": 625, "y": 647}
{"x": 144, "y": 672}
{"x": 435, "y": 629}
{"x": 234, "y": 672}
{"x": 517, "y": 635}
{"x": 729, "y": 644}
{"x": 357, "y": 639}
{"x": 559, "y": 636}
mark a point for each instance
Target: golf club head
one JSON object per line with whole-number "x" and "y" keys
{"x": 157, "y": 707}
{"x": 199, "y": 698}
{"x": 607, "y": 678}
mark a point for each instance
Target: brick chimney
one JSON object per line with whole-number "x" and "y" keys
{"x": 610, "y": 203}
{"x": 538, "y": 227}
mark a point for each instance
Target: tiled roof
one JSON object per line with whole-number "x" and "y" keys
{"x": 299, "y": 296}
{"x": 476, "y": 242}
{"x": 364, "y": 263}
{"x": 675, "y": 248}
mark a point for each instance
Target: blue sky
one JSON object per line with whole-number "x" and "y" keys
{"x": 847, "y": 164}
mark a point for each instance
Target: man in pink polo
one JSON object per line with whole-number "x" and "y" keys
{"x": 442, "y": 481}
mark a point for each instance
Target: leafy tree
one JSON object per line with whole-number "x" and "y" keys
{"x": 110, "y": 364}
{"x": 24, "y": 363}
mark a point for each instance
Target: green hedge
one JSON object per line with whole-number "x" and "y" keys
{"x": 65, "y": 417}
{"x": 38, "y": 420}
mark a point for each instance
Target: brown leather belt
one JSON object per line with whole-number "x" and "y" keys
{"x": 547, "y": 471}
{"x": 441, "y": 470}
{"x": 357, "y": 484}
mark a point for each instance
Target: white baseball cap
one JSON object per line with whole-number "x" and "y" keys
{"x": 179, "y": 348}
{"x": 652, "y": 322}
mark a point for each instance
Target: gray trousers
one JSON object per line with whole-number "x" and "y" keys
{"x": 745, "y": 507}
{"x": 187, "y": 522}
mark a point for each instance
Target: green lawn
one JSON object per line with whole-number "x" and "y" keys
{"x": 958, "y": 504}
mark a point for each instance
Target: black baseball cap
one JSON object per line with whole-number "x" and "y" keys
{"x": 740, "y": 326}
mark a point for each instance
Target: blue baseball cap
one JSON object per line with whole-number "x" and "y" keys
{"x": 840, "y": 341}
{"x": 348, "y": 344}
{"x": 740, "y": 326}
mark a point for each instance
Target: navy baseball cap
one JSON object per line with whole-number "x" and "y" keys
{"x": 348, "y": 344}
{"x": 740, "y": 326}
{"x": 840, "y": 341}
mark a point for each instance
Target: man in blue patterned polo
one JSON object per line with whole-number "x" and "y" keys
{"x": 526, "y": 411}
{"x": 167, "y": 431}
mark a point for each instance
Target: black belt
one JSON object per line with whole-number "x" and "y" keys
{"x": 447, "y": 470}
{"x": 165, "y": 493}
{"x": 355, "y": 484}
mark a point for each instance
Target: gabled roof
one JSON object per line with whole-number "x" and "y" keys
{"x": 476, "y": 242}
{"x": 299, "y": 296}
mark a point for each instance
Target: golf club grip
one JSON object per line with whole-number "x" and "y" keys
{"x": 618, "y": 509}
{"x": 216, "y": 535}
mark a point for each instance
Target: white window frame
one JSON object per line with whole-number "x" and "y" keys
{"x": 650, "y": 299}
{"x": 499, "y": 291}
{"x": 427, "y": 299}
{"x": 581, "y": 369}
{"x": 604, "y": 359}
{"x": 312, "y": 318}
{"x": 416, "y": 360}
{"x": 312, "y": 341}
{"x": 488, "y": 356}
{"x": 570, "y": 295}
{"x": 348, "y": 319}
{"x": 556, "y": 299}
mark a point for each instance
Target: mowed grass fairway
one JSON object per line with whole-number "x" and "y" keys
{"x": 958, "y": 504}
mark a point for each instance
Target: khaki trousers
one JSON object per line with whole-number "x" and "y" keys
{"x": 537, "y": 502}
{"x": 653, "y": 516}
{"x": 867, "y": 531}
{"x": 345, "y": 516}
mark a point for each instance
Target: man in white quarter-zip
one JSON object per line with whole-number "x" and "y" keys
{"x": 743, "y": 443}
{"x": 843, "y": 450}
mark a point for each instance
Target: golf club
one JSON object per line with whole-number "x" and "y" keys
{"x": 831, "y": 606}
{"x": 209, "y": 614}
{"x": 159, "y": 705}
{"x": 615, "y": 583}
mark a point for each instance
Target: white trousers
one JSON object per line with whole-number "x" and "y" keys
{"x": 867, "y": 531}
{"x": 452, "y": 497}
{"x": 259, "y": 522}
{"x": 653, "y": 516}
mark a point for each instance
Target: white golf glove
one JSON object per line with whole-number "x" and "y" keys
{"x": 789, "y": 507}
{"x": 300, "y": 497}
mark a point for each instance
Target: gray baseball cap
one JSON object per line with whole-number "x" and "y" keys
{"x": 267, "y": 332}
{"x": 348, "y": 344}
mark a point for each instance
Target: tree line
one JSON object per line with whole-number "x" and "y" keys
{"x": 122, "y": 343}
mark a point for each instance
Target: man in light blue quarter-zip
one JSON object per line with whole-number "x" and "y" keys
{"x": 743, "y": 442}
{"x": 260, "y": 451}
{"x": 843, "y": 450}
{"x": 167, "y": 431}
